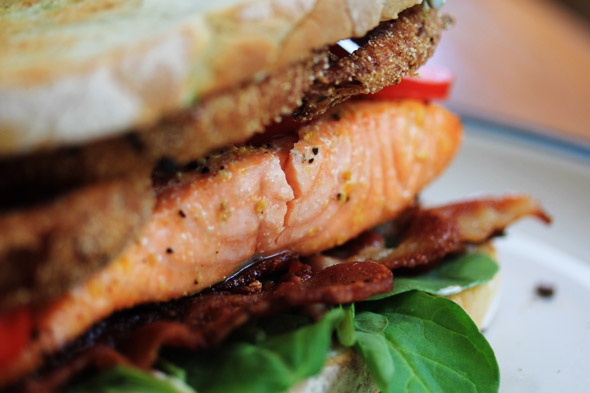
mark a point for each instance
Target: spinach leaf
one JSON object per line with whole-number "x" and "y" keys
{"x": 418, "y": 343}
{"x": 122, "y": 379}
{"x": 271, "y": 365}
{"x": 454, "y": 275}
{"x": 345, "y": 330}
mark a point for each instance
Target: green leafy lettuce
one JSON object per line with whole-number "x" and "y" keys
{"x": 411, "y": 340}
{"x": 455, "y": 275}
{"x": 417, "y": 342}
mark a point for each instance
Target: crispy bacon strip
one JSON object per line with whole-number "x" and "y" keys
{"x": 215, "y": 316}
{"x": 100, "y": 356}
{"x": 439, "y": 231}
{"x": 205, "y": 321}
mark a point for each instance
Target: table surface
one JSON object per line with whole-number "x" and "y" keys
{"x": 524, "y": 62}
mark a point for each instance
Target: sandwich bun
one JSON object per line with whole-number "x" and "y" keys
{"x": 90, "y": 70}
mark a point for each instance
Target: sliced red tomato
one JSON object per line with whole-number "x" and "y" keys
{"x": 15, "y": 333}
{"x": 431, "y": 83}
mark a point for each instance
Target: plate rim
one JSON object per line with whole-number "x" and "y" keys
{"x": 531, "y": 135}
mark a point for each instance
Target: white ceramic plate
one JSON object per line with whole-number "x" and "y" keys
{"x": 542, "y": 343}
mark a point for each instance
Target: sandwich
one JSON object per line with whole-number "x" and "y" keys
{"x": 225, "y": 197}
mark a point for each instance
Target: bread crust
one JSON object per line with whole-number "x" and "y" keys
{"x": 345, "y": 371}
{"x": 94, "y": 69}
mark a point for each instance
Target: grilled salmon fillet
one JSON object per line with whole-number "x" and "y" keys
{"x": 355, "y": 167}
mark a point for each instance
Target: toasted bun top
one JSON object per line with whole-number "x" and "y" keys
{"x": 71, "y": 72}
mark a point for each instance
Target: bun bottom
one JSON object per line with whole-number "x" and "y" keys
{"x": 345, "y": 371}
{"x": 480, "y": 302}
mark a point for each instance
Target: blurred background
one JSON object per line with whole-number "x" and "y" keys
{"x": 580, "y": 6}
{"x": 524, "y": 62}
